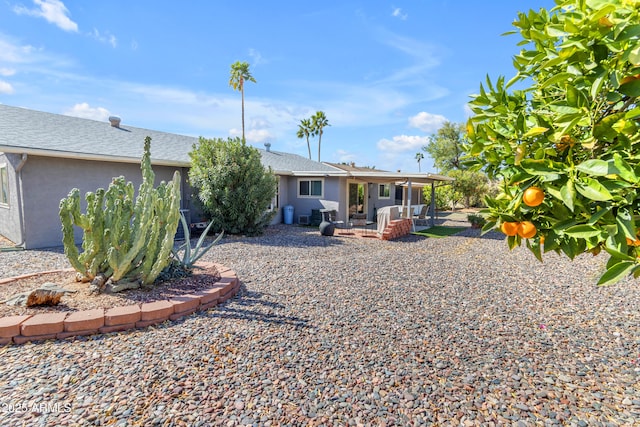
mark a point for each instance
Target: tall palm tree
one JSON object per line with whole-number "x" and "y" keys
{"x": 318, "y": 122}
{"x": 240, "y": 74}
{"x": 304, "y": 130}
{"x": 419, "y": 157}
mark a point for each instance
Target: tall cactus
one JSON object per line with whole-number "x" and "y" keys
{"x": 126, "y": 241}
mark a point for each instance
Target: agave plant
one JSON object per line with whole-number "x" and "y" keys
{"x": 191, "y": 255}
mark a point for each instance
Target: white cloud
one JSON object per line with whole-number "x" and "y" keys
{"x": 397, "y": 13}
{"x": 7, "y": 72}
{"x": 104, "y": 38}
{"x": 346, "y": 157}
{"x": 253, "y": 136}
{"x": 467, "y": 111}
{"x": 85, "y": 111}
{"x": 427, "y": 122}
{"x": 6, "y": 88}
{"x": 424, "y": 57}
{"x": 13, "y": 53}
{"x": 256, "y": 57}
{"x": 54, "y": 11}
{"x": 403, "y": 143}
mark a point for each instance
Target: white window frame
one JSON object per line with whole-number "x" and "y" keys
{"x": 311, "y": 196}
{"x": 4, "y": 185}
{"x": 388, "y": 187}
{"x": 275, "y": 202}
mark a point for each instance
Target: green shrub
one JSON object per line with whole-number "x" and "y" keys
{"x": 235, "y": 190}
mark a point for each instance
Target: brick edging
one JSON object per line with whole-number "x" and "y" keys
{"x": 60, "y": 325}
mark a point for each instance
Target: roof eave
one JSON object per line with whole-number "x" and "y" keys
{"x": 87, "y": 156}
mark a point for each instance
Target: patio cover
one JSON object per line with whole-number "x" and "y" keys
{"x": 417, "y": 179}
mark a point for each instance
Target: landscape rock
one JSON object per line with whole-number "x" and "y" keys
{"x": 47, "y": 294}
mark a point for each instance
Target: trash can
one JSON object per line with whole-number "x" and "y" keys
{"x": 288, "y": 214}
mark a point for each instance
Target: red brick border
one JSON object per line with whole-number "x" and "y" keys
{"x": 44, "y": 326}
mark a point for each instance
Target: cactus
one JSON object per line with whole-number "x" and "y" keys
{"x": 127, "y": 242}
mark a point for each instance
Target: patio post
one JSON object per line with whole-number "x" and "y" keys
{"x": 433, "y": 204}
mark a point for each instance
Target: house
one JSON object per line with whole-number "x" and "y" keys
{"x": 44, "y": 155}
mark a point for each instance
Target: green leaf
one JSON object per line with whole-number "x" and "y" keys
{"x": 535, "y": 249}
{"x": 583, "y": 231}
{"x": 623, "y": 169}
{"x": 597, "y": 85}
{"x": 634, "y": 55}
{"x": 632, "y": 114}
{"x": 595, "y": 167}
{"x": 538, "y": 167}
{"x": 625, "y": 223}
{"x": 592, "y": 189}
{"x": 631, "y": 88}
{"x": 555, "y": 79}
{"x": 604, "y": 11}
{"x": 616, "y": 272}
{"x": 535, "y": 131}
{"x": 596, "y": 216}
{"x": 568, "y": 194}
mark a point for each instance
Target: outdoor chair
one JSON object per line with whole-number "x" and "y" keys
{"x": 423, "y": 212}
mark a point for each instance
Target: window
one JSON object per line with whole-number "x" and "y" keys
{"x": 384, "y": 191}
{"x": 310, "y": 187}
{"x": 4, "y": 185}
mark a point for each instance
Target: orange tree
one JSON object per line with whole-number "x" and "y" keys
{"x": 571, "y": 130}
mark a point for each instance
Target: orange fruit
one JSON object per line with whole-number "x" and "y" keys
{"x": 509, "y": 228}
{"x": 526, "y": 229}
{"x": 542, "y": 240}
{"x": 533, "y": 196}
{"x": 633, "y": 242}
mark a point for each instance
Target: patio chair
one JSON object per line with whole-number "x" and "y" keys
{"x": 423, "y": 212}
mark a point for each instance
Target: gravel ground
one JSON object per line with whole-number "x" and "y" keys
{"x": 344, "y": 331}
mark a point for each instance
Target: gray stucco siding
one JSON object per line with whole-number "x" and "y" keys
{"x": 48, "y": 180}
{"x": 303, "y": 205}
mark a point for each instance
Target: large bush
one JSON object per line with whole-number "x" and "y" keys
{"x": 570, "y": 134}
{"x": 235, "y": 190}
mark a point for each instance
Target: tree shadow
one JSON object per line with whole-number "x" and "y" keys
{"x": 249, "y": 305}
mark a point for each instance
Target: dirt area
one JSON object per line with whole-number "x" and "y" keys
{"x": 82, "y": 300}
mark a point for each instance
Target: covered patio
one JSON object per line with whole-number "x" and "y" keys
{"x": 370, "y": 200}
{"x": 408, "y": 182}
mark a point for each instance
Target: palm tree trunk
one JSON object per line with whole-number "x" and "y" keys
{"x": 309, "y": 147}
{"x": 242, "y": 91}
{"x": 319, "y": 142}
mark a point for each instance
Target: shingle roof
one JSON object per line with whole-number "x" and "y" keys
{"x": 36, "y": 132}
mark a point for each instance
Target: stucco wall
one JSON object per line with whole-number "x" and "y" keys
{"x": 9, "y": 214}
{"x": 304, "y": 205}
{"x": 375, "y": 202}
{"x": 47, "y": 180}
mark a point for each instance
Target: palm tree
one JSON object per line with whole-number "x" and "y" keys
{"x": 318, "y": 122}
{"x": 419, "y": 157}
{"x": 304, "y": 130}
{"x": 239, "y": 74}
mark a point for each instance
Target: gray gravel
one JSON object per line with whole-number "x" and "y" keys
{"x": 345, "y": 331}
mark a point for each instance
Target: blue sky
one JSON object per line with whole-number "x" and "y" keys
{"x": 386, "y": 73}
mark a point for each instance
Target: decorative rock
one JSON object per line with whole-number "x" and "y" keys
{"x": 47, "y": 294}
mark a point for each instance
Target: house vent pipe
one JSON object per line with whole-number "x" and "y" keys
{"x": 115, "y": 121}
{"x": 267, "y": 145}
